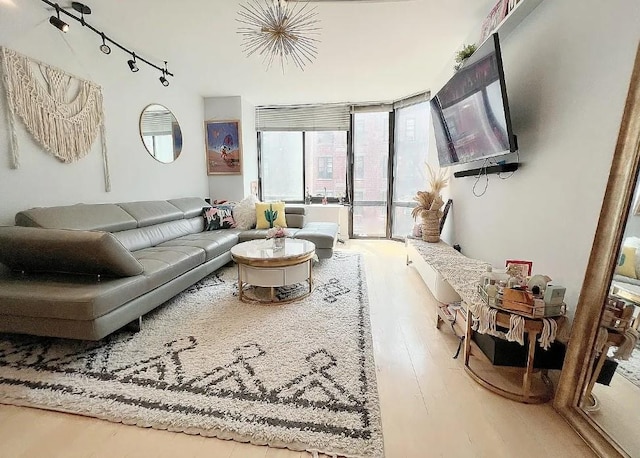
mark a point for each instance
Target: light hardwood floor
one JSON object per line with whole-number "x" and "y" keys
{"x": 619, "y": 412}
{"x": 430, "y": 407}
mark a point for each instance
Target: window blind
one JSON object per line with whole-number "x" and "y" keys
{"x": 412, "y": 100}
{"x": 156, "y": 122}
{"x": 327, "y": 117}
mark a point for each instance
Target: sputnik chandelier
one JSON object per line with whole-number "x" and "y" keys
{"x": 104, "y": 47}
{"x": 278, "y": 30}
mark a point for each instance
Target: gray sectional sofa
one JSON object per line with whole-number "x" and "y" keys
{"x": 83, "y": 271}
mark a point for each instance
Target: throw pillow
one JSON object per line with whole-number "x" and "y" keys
{"x": 627, "y": 262}
{"x": 244, "y": 213}
{"x": 218, "y": 217}
{"x": 270, "y": 214}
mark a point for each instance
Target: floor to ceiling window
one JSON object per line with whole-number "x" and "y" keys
{"x": 370, "y": 174}
{"x": 411, "y": 145}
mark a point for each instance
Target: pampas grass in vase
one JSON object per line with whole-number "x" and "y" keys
{"x": 430, "y": 205}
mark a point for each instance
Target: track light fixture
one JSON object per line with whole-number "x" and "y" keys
{"x": 132, "y": 63}
{"x": 104, "y": 47}
{"x": 57, "y": 22}
{"x": 163, "y": 80}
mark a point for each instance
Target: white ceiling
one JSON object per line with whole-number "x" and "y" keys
{"x": 368, "y": 51}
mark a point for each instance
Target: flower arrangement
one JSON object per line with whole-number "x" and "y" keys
{"x": 431, "y": 200}
{"x": 276, "y": 232}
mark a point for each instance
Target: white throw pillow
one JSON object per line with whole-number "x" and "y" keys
{"x": 244, "y": 213}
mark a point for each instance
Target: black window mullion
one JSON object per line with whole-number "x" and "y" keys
{"x": 390, "y": 161}
{"x": 260, "y": 193}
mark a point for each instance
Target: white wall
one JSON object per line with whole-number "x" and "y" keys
{"x": 42, "y": 180}
{"x": 567, "y": 68}
{"x": 234, "y": 187}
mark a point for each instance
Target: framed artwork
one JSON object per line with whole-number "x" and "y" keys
{"x": 495, "y": 16}
{"x": 223, "y": 148}
{"x": 511, "y": 4}
{"x": 523, "y": 268}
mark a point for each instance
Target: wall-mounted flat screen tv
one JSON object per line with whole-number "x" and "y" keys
{"x": 470, "y": 113}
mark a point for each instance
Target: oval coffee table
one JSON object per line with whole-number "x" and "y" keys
{"x": 262, "y": 264}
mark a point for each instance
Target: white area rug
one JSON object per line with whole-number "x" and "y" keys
{"x": 299, "y": 375}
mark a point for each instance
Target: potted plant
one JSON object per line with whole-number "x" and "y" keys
{"x": 430, "y": 205}
{"x": 463, "y": 55}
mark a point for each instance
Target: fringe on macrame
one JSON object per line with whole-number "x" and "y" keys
{"x": 64, "y": 129}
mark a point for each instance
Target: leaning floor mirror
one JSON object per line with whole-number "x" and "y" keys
{"x": 599, "y": 389}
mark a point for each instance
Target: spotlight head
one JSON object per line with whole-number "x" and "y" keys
{"x": 104, "y": 47}
{"x": 132, "y": 65}
{"x": 59, "y": 23}
{"x": 164, "y": 81}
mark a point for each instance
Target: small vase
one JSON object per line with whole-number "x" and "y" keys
{"x": 431, "y": 226}
{"x": 278, "y": 243}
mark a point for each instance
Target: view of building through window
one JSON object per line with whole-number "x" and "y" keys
{"x": 326, "y": 163}
{"x": 323, "y": 163}
{"x": 411, "y": 144}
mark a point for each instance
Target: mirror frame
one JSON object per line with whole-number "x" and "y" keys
{"x": 142, "y": 136}
{"x": 616, "y": 207}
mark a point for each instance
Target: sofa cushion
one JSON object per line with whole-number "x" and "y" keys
{"x": 218, "y": 217}
{"x": 253, "y": 234}
{"x": 152, "y": 212}
{"x": 87, "y": 217}
{"x": 34, "y": 249}
{"x": 214, "y": 243}
{"x": 62, "y": 296}
{"x": 244, "y": 213}
{"x": 144, "y": 237}
{"x": 164, "y": 263}
{"x": 322, "y": 234}
{"x": 270, "y": 214}
{"x": 190, "y": 206}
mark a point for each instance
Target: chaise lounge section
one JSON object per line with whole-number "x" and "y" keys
{"x": 86, "y": 270}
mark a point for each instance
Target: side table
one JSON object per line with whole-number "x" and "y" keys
{"x": 533, "y": 327}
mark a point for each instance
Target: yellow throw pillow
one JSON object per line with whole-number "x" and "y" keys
{"x": 627, "y": 262}
{"x": 270, "y": 214}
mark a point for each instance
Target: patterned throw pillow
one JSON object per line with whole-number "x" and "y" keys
{"x": 270, "y": 214}
{"x": 218, "y": 217}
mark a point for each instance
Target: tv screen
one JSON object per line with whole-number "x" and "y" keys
{"x": 470, "y": 113}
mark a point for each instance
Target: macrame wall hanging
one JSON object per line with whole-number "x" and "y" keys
{"x": 65, "y": 125}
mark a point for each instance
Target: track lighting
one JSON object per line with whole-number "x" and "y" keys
{"x": 57, "y": 22}
{"x": 132, "y": 63}
{"x": 163, "y": 80}
{"x": 104, "y": 47}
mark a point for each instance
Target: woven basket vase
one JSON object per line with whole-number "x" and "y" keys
{"x": 431, "y": 226}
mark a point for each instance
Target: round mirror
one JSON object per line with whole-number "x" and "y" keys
{"x": 160, "y": 133}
